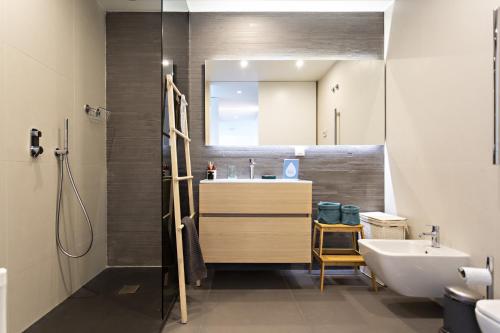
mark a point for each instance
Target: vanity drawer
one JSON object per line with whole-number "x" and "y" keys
{"x": 256, "y": 239}
{"x": 248, "y": 198}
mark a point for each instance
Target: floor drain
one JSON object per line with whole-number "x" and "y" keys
{"x": 129, "y": 289}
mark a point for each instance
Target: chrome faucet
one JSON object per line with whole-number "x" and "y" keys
{"x": 252, "y": 167}
{"x": 434, "y": 234}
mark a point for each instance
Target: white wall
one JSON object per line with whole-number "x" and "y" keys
{"x": 238, "y": 132}
{"x": 52, "y": 61}
{"x": 287, "y": 113}
{"x": 440, "y": 122}
{"x": 359, "y": 99}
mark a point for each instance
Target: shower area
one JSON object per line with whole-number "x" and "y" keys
{"x": 95, "y": 251}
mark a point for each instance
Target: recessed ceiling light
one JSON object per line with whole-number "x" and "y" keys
{"x": 239, "y": 92}
{"x": 243, "y": 63}
{"x": 299, "y": 63}
{"x": 165, "y": 62}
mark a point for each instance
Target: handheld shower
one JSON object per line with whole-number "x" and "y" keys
{"x": 66, "y": 131}
{"x": 62, "y": 156}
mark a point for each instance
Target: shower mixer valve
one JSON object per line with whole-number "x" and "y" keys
{"x": 35, "y": 148}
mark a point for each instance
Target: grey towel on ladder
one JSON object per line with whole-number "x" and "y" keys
{"x": 194, "y": 265}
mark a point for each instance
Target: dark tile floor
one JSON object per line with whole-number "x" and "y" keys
{"x": 290, "y": 301}
{"x": 242, "y": 301}
{"x": 99, "y": 308}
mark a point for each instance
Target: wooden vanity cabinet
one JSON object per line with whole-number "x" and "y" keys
{"x": 256, "y": 221}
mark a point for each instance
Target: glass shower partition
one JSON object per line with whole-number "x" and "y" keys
{"x": 175, "y": 53}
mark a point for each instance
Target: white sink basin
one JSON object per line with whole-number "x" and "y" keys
{"x": 413, "y": 267}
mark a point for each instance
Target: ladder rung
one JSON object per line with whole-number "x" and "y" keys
{"x": 174, "y": 87}
{"x": 182, "y": 225}
{"x": 183, "y": 178}
{"x": 179, "y": 133}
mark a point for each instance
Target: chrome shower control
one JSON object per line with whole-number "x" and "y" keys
{"x": 35, "y": 148}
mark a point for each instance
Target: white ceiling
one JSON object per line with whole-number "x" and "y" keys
{"x": 131, "y": 6}
{"x": 288, "y": 5}
{"x": 236, "y": 100}
{"x": 266, "y": 70}
{"x": 247, "y": 5}
{"x": 242, "y": 92}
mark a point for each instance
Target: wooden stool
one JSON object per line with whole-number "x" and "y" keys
{"x": 337, "y": 256}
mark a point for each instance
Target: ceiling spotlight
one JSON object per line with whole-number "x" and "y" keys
{"x": 239, "y": 92}
{"x": 165, "y": 62}
{"x": 243, "y": 63}
{"x": 299, "y": 63}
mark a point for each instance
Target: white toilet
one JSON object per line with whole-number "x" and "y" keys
{"x": 488, "y": 315}
{"x": 3, "y": 300}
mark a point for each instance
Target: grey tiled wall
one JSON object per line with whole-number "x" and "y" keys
{"x": 133, "y": 92}
{"x": 350, "y": 174}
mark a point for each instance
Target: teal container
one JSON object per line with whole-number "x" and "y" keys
{"x": 329, "y": 212}
{"x": 350, "y": 215}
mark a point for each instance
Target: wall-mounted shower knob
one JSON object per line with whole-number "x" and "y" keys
{"x": 35, "y": 148}
{"x": 36, "y": 151}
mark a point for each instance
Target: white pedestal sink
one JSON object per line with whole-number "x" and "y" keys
{"x": 413, "y": 267}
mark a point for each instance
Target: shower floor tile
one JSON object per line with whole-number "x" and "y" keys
{"x": 99, "y": 307}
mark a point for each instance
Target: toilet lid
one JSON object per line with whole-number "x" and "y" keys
{"x": 489, "y": 308}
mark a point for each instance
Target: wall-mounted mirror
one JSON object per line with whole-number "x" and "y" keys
{"x": 294, "y": 102}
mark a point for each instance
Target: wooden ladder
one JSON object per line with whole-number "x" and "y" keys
{"x": 174, "y": 132}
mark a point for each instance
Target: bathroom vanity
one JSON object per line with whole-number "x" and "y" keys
{"x": 255, "y": 220}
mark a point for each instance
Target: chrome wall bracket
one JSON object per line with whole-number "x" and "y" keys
{"x": 97, "y": 112}
{"x": 490, "y": 290}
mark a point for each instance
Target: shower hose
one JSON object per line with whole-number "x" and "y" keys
{"x": 63, "y": 159}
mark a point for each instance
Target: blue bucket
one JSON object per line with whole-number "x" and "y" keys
{"x": 350, "y": 215}
{"x": 329, "y": 212}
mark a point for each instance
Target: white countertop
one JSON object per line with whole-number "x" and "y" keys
{"x": 256, "y": 180}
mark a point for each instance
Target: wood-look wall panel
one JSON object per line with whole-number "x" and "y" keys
{"x": 133, "y": 55}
